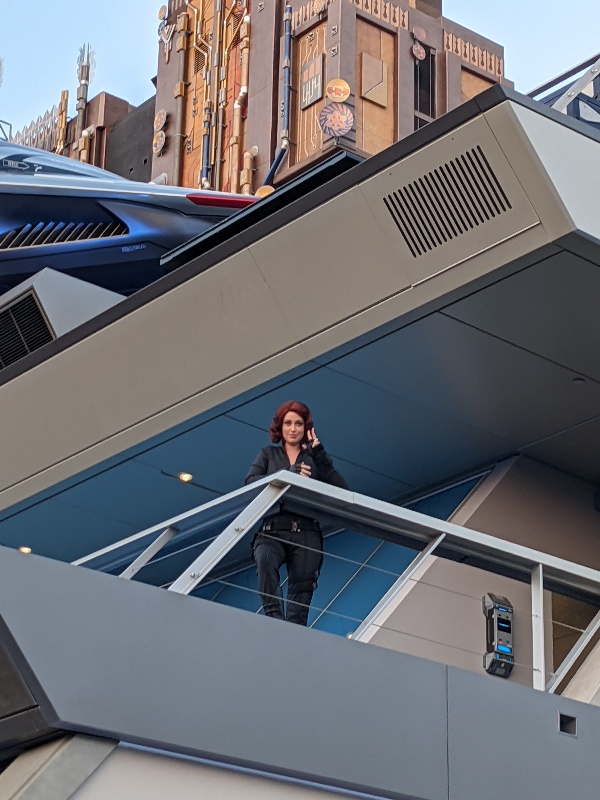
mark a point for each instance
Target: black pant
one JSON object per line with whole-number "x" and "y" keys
{"x": 302, "y": 552}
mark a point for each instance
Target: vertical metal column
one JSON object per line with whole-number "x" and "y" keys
{"x": 537, "y": 628}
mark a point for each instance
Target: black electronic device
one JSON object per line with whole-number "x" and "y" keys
{"x": 499, "y": 657}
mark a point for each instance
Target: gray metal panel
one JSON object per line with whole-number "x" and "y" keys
{"x": 132, "y": 662}
{"x": 450, "y": 206}
{"x": 14, "y": 694}
{"x": 574, "y": 450}
{"x": 537, "y": 307}
{"x": 54, "y": 771}
{"x": 22, "y": 730}
{"x": 451, "y": 368}
{"x": 570, "y": 160}
{"x": 504, "y": 741}
{"x": 67, "y": 301}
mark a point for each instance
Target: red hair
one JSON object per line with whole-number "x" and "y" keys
{"x": 291, "y": 405}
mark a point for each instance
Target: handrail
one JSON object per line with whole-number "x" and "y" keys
{"x": 241, "y": 510}
{"x": 368, "y": 515}
{"x": 563, "y": 77}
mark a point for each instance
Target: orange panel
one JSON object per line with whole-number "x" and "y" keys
{"x": 375, "y": 124}
{"x": 472, "y": 84}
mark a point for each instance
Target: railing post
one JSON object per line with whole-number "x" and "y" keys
{"x": 224, "y": 542}
{"x": 148, "y": 553}
{"x": 537, "y": 627}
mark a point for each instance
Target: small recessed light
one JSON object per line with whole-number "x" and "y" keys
{"x": 185, "y": 477}
{"x": 25, "y": 550}
{"x": 579, "y": 380}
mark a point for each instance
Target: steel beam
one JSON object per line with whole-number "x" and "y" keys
{"x": 148, "y": 553}
{"x": 575, "y": 652}
{"x": 232, "y": 534}
{"x": 389, "y": 596}
{"x": 571, "y": 93}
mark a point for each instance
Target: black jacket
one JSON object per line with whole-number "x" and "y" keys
{"x": 273, "y": 458}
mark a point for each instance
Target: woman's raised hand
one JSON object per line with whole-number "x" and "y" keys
{"x": 312, "y": 439}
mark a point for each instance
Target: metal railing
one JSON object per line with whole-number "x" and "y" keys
{"x": 233, "y": 516}
{"x": 590, "y": 71}
{"x": 5, "y": 130}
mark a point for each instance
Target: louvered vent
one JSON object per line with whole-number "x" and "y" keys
{"x": 199, "y": 60}
{"x": 447, "y": 202}
{"x": 33, "y": 235}
{"x": 23, "y": 329}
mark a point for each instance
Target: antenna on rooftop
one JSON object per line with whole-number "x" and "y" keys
{"x": 86, "y": 63}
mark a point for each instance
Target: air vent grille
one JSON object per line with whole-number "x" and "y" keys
{"x": 23, "y": 329}
{"x": 46, "y": 233}
{"x": 451, "y": 200}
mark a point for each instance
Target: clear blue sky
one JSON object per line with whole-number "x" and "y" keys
{"x": 40, "y": 41}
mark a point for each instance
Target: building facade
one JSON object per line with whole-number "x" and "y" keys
{"x": 247, "y": 92}
{"x": 243, "y": 84}
{"x": 455, "y": 379}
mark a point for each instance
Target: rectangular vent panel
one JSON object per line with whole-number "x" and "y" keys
{"x": 46, "y": 233}
{"x": 447, "y": 202}
{"x": 23, "y": 329}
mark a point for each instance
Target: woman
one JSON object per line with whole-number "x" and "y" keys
{"x": 285, "y": 538}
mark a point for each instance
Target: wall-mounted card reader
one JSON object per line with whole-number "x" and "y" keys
{"x": 499, "y": 657}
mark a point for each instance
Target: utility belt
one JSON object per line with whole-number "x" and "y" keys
{"x": 284, "y": 523}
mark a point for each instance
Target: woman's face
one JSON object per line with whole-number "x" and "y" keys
{"x": 292, "y": 428}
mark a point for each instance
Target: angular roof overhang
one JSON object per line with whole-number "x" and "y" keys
{"x": 445, "y": 289}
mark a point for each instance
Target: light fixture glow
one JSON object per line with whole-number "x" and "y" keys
{"x": 185, "y": 477}
{"x": 25, "y": 550}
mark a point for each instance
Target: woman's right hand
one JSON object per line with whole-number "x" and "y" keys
{"x": 300, "y": 468}
{"x": 305, "y": 469}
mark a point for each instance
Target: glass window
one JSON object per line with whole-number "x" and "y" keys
{"x": 424, "y": 87}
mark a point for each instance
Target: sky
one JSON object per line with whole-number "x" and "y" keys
{"x": 541, "y": 40}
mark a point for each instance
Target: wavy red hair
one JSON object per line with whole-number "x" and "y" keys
{"x": 291, "y": 405}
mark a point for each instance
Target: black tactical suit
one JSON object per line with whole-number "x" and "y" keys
{"x": 290, "y": 539}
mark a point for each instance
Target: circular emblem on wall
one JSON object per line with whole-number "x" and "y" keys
{"x": 160, "y": 119}
{"x": 162, "y": 12}
{"x": 336, "y": 120}
{"x": 337, "y": 90}
{"x": 158, "y": 142}
{"x": 419, "y": 51}
{"x": 419, "y": 33}
{"x": 319, "y": 6}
